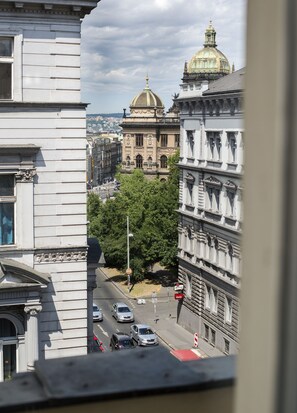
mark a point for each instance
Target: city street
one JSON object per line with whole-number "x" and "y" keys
{"x": 106, "y": 294}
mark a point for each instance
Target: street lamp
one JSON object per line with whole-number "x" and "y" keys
{"x": 129, "y": 271}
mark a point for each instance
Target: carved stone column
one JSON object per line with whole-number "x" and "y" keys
{"x": 32, "y": 335}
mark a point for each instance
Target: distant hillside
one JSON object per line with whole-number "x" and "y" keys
{"x": 106, "y": 115}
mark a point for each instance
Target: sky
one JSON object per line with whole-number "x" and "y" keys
{"x": 124, "y": 40}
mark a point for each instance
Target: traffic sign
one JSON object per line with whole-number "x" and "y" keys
{"x": 196, "y": 340}
{"x": 154, "y": 298}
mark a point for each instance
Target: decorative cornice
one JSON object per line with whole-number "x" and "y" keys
{"x": 77, "y": 8}
{"x": 230, "y": 186}
{"x": 61, "y": 256}
{"x": 212, "y": 181}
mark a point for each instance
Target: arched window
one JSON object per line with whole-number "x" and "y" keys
{"x": 8, "y": 349}
{"x": 163, "y": 160}
{"x": 128, "y": 160}
{"x": 139, "y": 161}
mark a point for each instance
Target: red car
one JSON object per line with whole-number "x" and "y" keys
{"x": 97, "y": 345}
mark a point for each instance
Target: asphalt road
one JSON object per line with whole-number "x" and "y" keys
{"x": 106, "y": 294}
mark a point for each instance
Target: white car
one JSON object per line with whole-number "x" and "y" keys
{"x": 143, "y": 335}
{"x": 122, "y": 313}
{"x": 97, "y": 313}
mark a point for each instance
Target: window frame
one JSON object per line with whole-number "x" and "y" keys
{"x": 164, "y": 140}
{"x": 10, "y": 199}
{"x": 16, "y": 76}
{"x": 139, "y": 140}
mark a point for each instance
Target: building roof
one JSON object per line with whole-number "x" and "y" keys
{"x": 230, "y": 83}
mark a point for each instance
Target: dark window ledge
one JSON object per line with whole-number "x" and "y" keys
{"x": 101, "y": 377}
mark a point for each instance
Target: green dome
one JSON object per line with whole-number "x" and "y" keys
{"x": 209, "y": 59}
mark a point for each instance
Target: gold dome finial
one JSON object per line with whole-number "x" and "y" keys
{"x": 210, "y": 36}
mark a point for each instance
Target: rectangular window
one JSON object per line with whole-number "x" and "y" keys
{"x": 139, "y": 139}
{"x": 207, "y": 297}
{"x": 232, "y": 147}
{"x": 211, "y": 299}
{"x": 206, "y": 332}
{"x": 214, "y": 146}
{"x": 7, "y": 203}
{"x": 231, "y": 203}
{"x": 213, "y": 199}
{"x": 227, "y": 346}
{"x": 190, "y": 141}
{"x": 214, "y": 301}
{"x": 177, "y": 140}
{"x": 6, "y": 61}
{"x": 188, "y": 285}
{"x": 164, "y": 141}
{"x": 189, "y": 193}
{"x": 228, "y": 310}
{"x": 212, "y": 337}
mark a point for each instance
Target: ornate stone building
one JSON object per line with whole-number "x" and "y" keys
{"x": 210, "y": 209}
{"x": 149, "y": 135}
{"x": 44, "y": 289}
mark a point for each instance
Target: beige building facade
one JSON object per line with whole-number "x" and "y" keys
{"x": 149, "y": 135}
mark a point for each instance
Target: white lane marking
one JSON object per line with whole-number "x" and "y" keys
{"x": 103, "y": 331}
{"x": 118, "y": 330}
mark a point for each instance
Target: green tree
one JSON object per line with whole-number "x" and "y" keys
{"x": 151, "y": 206}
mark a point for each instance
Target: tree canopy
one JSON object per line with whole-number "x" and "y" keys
{"x": 151, "y": 206}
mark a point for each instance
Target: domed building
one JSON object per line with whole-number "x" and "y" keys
{"x": 206, "y": 65}
{"x": 147, "y": 103}
{"x": 149, "y": 135}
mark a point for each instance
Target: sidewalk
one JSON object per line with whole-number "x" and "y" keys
{"x": 166, "y": 327}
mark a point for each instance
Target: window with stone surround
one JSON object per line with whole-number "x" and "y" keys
{"x": 7, "y": 209}
{"x": 177, "y": 140}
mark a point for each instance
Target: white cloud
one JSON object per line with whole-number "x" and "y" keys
{"x": 123, "y": 40}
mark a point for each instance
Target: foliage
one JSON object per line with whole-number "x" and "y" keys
{"x": 151, "y": 207}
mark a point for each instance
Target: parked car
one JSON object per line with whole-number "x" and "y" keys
{"x": 97, "y": 313}
{"x": 122, "y": 313}
{"x": 97, "y": 345}
{"x": 143, "y": 335}
{"x": 121, "y": 341}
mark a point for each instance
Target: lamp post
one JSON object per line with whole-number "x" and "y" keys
{"x": 128, "y": 271}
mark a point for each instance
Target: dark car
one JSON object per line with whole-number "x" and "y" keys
{"x": 121, "y": 341}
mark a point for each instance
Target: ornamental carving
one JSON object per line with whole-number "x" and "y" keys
{"x": 66, "y": 256}
{"x": 25, "y": 175}
{"x": 33, "y": 310}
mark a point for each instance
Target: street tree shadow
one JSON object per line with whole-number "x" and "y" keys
{"x": 163, "y": 277}
{"x": 116, "y": 278}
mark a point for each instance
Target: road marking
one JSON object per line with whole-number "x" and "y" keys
{"x": 118, "y": 330}
{"x": 103, "y": 331}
